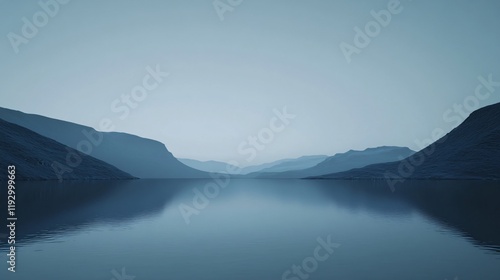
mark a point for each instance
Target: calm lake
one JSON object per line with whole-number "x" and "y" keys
{"x": 255, "y": 230}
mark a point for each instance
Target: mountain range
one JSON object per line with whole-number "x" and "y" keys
{"x": 140, "y": 157}
{"x": 36, "y": 157}
{"x": 342, "y": 162}
{"x": 470, "y": 151}
{"x": 275, "y": 166}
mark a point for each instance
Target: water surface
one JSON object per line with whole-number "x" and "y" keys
{"x": 256, "y": 229}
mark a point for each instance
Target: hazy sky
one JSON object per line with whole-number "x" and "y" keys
{"x": 226, "y": 77}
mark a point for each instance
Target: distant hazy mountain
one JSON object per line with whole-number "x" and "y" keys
{"x": 259, "y": 167}
{"x": 140, "y": 157}
{"x": 344, "y": 162}
{"x": 296, "y": 164}
{"x": 33, "y": 155}
{"x": 208, "y": 166}
{"x": 470, "y": 151}
{"x": 275, "y": 166}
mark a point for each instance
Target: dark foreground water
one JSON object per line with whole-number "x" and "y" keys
{"x": 255, "y": 230}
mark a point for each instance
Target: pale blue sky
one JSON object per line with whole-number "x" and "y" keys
{"x": 227, "y": 76}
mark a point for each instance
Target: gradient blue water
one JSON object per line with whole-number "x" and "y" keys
{"x": 254, "y": 229}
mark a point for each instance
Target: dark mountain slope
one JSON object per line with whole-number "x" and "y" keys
{"x": 141, "y": 157}
{"x": 33, "y": 156}
{"x": 470, "y": 151}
